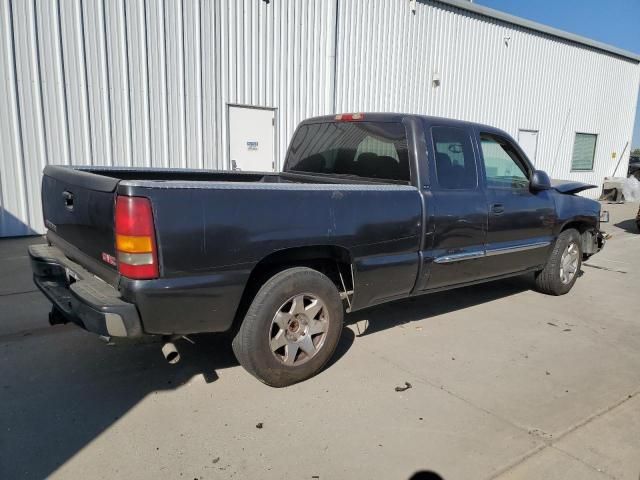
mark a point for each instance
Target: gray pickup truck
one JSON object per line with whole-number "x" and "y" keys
{"x": 369, "y": 208}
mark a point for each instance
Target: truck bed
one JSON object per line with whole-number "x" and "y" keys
{"x": 212, "y": 228}
{"x": 107, "y": 177}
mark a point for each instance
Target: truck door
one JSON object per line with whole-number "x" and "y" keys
{"x": 520, "y": 221}
{"x": 459, "y": 222}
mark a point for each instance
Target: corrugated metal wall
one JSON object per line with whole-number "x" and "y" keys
{"x": 490, "y": 72}
{"x": 148, "y": 82}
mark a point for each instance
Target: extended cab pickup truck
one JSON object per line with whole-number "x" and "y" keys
{"x": 369, "y": 208}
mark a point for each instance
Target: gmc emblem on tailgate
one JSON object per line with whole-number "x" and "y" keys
{"x": 50, "y": 225}
{"x": 110, "y": 259}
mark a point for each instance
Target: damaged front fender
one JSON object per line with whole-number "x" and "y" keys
{"x": 592, "y": 242}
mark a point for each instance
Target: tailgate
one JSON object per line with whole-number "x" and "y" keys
{"x": 78, "y": 209}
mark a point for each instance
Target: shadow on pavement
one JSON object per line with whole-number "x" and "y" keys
{"x": 399, "y": 312}
{"x": 629, "y": 225}
{"x": 61, "y": 387}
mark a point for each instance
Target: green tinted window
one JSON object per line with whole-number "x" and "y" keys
{"x": 584, "y": 150}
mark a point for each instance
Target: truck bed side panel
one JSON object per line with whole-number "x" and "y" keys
{"x": 207, "y": 228}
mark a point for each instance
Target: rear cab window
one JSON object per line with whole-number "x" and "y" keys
{"x": 367, "y": 150}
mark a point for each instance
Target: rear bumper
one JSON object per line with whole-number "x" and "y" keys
{"x": 82, "y": 298}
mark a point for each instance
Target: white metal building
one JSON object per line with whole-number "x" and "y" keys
{"x": 206, "y": 83}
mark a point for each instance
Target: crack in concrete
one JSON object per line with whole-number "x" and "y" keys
{"x": 600, "y": 267}
{"x": 8, "y": 338}
{"x": 546, "y": 442}
{"x": 17, "y": 293}
{"x": 577, "y": 459}
{"x": 551, "y": 443}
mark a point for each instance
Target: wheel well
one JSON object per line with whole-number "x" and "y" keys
{"x": 581, "y": 227}
{"x": 586, "y": 232}
{"x": 329, "y": 260}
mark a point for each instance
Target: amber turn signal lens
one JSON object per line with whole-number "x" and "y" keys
{"x": 131, "y": 244}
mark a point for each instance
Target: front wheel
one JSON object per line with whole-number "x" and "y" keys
{"x": 563, "y": 265}
{"x": 291, "y": 329}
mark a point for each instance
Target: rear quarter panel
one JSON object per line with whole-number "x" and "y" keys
{"x": 221, "y": 230}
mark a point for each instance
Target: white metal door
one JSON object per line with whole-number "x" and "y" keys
{"x": 252, "y": 139}
{"x": 528, "y": 140}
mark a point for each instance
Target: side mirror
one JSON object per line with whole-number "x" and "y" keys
{"x": 539, "y": 181}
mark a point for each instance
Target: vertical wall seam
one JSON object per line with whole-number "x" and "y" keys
{"x": 128, "y": 81}
{"x": 183, "y": 69}
{"x": 165, "y": 89}
{"x": 149, "y": 154}
{"x": 200, "y": 99}
{"x": 83, "y": 43}
{"x": 20, "y": 133}
{"x": 39, "y": 98}
{"x": 63, "y": 73}
{"x": 106, "y": 96}
{"x": 336, "y": 36}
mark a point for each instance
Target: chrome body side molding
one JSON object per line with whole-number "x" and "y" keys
{"x": 458, "y": 257}
{"x": 517, "y": 248}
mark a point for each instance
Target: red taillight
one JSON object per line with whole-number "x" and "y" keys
{"x": 135, "y": 238}
{"x": 349, "y": 117}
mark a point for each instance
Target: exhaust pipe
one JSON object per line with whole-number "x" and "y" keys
{"x": 170, "y": 352}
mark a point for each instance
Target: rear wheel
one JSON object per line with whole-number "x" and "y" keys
{"x": 563, "y": 265}
{"x": 291, "y": 329}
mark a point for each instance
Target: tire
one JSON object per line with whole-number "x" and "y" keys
{"x": 291, "y": 328}
{"x": 563, "y": 265}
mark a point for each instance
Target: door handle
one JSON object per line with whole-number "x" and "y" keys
{"x": 497, "y": 208}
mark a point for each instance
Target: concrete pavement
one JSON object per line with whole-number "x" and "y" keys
{"x": 506, "y": 383}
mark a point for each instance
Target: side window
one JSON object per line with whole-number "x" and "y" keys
{"x": 455, "y": 162}
{"x": 503, "y": 165}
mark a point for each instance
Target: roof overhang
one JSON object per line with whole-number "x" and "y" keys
{"x": 539, "y": 27}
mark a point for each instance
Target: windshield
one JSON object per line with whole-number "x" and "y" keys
{"x": 375, "y": 150}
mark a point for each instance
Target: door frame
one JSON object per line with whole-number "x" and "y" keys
{"x": 538, "y": 244}
{"x": 432, "y": 260}
{"x": 530, "y": 130}
{"x": 276, "y": 131}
